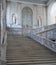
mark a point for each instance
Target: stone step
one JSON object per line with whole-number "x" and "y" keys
{"x": 34, "y": 64}
{"x": 32, "y": 59}
{"x": 31, "y": 62}
{"x": 25, "y": 55}
{"x": 24, "y": 51}
{"x": 27, "y": 60}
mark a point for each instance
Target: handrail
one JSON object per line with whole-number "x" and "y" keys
{"x": 34, "y": 34}
{"x": 47, "y": 39}
{"x": 44, "y": 29}
{"x": 43, "y": 41}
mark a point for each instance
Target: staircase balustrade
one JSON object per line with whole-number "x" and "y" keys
{"x": 45, "y": 36}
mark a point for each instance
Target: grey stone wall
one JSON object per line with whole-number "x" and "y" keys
{"x": 0, "y": 32}
{"x": 1, "y": 1}
{"x": 0, "y": 15}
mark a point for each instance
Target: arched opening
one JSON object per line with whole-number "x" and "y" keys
{"x": 53, "y": 13}
{"x": 27, "y": 20}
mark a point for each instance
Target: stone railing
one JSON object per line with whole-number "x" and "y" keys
{"x": 14, "y": 30}
{"x": 46, "y": 42}
{"x": 47, "y": 31}
{"x": 41, "y": 35}
{"x": 44, "y": 29}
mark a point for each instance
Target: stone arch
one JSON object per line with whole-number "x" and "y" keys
{"x": 27, "y": 19}
{"x": 27, "y": 6}
{"x": 51, "y": 13}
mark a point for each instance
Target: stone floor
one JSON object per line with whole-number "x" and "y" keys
{"x": 22, "y": 50}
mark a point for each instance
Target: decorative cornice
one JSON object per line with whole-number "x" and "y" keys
{"x": 24, "y": 2}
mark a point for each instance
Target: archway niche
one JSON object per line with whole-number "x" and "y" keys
{"x": 27, "y": 20}
{"x": 39, "y": 22}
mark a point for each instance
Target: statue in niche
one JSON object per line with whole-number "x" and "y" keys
{"x": 13, "y": 19}
{"x": 39, "y": 21}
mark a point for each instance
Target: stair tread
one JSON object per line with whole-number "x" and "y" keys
{"x": 24, "y": 51}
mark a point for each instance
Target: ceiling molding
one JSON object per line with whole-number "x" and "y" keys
{"x": 24, "y": 2}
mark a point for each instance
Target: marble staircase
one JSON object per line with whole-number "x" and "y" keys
{"x": 22, "y": 50}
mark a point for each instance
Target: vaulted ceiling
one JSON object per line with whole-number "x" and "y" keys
{"x": 33, "y": 1}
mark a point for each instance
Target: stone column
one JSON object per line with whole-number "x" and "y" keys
{"x": 34, "y": 16}
{"x": 3, "y": 33}
{"x": 0, "y": 19}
